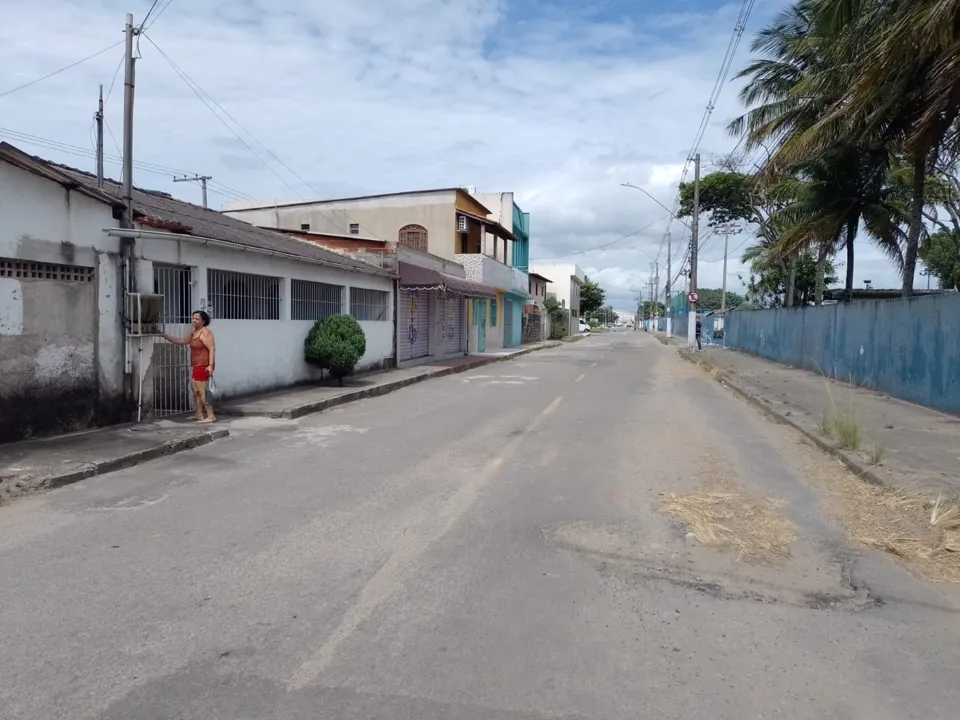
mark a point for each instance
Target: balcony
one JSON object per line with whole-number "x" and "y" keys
{"x": 487, "y": 271}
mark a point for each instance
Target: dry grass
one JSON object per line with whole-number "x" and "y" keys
{"x": 753, "y": 526}
{"x": 846, "y": 425}
{"x": 922, "y": 531}
{"x": 877, "y": 452}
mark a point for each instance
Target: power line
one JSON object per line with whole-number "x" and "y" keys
{"x": 745, "y": 10}
{"x": 157, "y": 17}
{"x": 63, "y": 69}
{"x": 26, "y": 139}
{"x": 604, "y": 245}
{"x": 205, "y": 96}
{"x": 147, "y": 16}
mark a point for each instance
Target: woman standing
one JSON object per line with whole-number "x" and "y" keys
{"x": 202, "y": 360}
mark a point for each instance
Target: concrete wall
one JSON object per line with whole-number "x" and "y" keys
{"x": 61, "y": 341}
{"x": 259, "y": 355}
{"x": 909, "y": 349}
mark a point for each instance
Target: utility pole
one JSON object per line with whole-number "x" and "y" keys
{"x": 694, "y": 249}
{"x": 725, "y": 230}
{"x": 202, "y": 179}
{"x": 667, "y": 310}
{"x": 128, "y": 87}
{"x": 99, "y": 120}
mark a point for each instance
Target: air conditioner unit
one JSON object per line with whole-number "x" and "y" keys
{"x": 144, "y": 314}
{"x": 461, "y": 223}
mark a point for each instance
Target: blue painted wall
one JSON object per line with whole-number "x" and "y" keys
{"x": 907, "y": 348}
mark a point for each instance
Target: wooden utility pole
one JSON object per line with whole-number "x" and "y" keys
{"x": 694, "y": 249}
{"x": 99, "y": 122}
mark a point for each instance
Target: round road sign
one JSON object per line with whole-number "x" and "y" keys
{"x": 693, "y": 297}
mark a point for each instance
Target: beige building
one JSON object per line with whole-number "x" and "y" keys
{"x": 449, "y": 223}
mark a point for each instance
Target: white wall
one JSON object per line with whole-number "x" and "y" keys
{"x": 59, "y": 339}
{"x": 260, "y": 355}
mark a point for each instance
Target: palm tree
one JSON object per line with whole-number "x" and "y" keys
{"x": 900, "y": 64}
{"x": 836, "y": 183}
{"x": 832, "y": 196}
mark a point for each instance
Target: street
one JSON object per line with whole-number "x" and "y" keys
{"x": 489, "y": 545}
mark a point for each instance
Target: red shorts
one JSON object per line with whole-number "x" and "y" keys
{"x": 200, "y": 374}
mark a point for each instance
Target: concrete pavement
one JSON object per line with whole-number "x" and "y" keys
{"x": 488, "y": 545}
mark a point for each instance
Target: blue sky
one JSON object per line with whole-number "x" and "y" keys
{"x": 555, "y": 100}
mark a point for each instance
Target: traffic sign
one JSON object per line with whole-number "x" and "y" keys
{"x": 693, "y": 297}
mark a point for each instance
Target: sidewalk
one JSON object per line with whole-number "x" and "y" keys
{"x": 295, "y": 403}
{"x": 901, "y": 444}
{"x": 38, "y": 465}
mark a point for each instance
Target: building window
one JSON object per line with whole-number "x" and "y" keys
{"x": 243, "y": 296}
{"x": 414, "y": 237}
{"x": 354, "y": 228}
{"x": 314, "y": 300}
{"x": 26, "y": 270}
{"x": 304, "y": 226}
{"x": 493, "y": 313}
{"x": 368, "y": 304}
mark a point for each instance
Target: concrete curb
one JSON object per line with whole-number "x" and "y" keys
{"x": 102, "y": 467}
{"x": 298, "y": 411}
{"x": 853, "y": 463}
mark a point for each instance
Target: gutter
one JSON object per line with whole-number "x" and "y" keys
{"x": 158, "y": 235}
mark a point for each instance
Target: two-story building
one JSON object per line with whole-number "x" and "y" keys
{"x": 566, "y": 279}
{"x": 536, "y": 319}
{"x": 449, "y": 223}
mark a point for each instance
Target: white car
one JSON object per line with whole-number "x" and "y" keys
{"x": 584, "y": 328}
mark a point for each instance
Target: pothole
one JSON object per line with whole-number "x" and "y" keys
{"x": 809, "y": 578}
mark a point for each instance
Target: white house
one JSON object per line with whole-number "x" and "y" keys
{"x": 564, "y": 285}
{"x": 71, "y": 352}
{"x": 449, "y": 223}
{"x": 433, "y": 297}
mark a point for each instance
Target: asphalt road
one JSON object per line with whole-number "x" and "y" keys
{"x": 487, "y": 545}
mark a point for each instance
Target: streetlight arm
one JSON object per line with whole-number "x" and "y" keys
{"x": 635, "y": 187}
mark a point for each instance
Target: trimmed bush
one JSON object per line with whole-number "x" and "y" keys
{"x": 335, "y": 344}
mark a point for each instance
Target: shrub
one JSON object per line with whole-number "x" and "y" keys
{"x": 335, "y": 344}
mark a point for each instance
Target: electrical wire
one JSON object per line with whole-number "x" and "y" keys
{"x": 147, "y": 16}
{"x": 26, "y": 139}
{"x": 156, "y": 17}
{"x": 63, "y": 69}
{"x": 604, "y": 245}
{"x": 745, "y": 10}
{"x": 204, "y": 97}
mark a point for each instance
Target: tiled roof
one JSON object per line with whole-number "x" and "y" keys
{"x": 165, "y": 212}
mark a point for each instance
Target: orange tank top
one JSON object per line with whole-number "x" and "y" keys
{"x": 199, "y": 355}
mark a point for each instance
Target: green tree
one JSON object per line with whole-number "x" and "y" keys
{"x": 767, "y": 282}
{"x": 591, "y": 297}
{"x": 725, "y": 196}
{"x": 710, "y": 299}
{"x": 335, "y": 344}
{"x": 941, "y": 254}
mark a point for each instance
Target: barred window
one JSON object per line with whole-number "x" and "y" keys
{"x": 368, "y": 304}
{"x": 27, "y": 270}
{"x": 314, "y": 300}
{"x": 243, "y": 296}
{"x": 414, "y": 237}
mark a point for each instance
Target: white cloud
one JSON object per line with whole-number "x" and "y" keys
{"x": 560, "y": 105}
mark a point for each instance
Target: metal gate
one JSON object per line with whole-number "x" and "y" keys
{"x": 414, "y": 324}
{"x": 452, "y": 324}
{"x": 508, "y": 339}
{"x": 171, "y": 363}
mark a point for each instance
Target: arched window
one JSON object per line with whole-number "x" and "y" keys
{"x": 414, "y": 237}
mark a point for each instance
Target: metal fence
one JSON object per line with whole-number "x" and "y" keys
{"x": 171, "y": 363}
{"x": 243, "y": 296}
{"x": 314, "y": 300}
{"x": 368, "y": 304}
{"x": 907, "y": 348}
